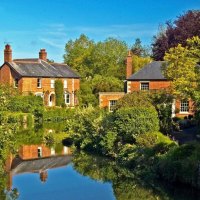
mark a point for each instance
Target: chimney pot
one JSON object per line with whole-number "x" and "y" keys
{"x": 43, "y": 54}
{"x": 7, "y": 53}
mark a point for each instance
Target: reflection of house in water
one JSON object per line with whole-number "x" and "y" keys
{"x": 36, "y": 159}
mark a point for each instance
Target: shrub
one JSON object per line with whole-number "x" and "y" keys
{"x": 27, "y": 104}
{"x": 131, "y": 122}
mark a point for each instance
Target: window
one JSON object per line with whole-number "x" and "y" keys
{"x": 52, "y": 83}
{"x": 144, "y": 86}
{"x": 16, "y": 83}
{"x": 65, "y": 83}
{"x": 184, "y": 106}
{"x": 67, "y": 98}
{"x": 39, "y": 152}
{"x": 39, "y": 94}
{"x": 112, "y": 104}
{"x": 39, "y": 83}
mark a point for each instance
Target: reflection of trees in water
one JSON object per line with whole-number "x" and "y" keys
{"x": 126, "y": 185}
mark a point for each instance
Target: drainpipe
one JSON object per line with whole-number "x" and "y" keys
{"x": 73, "y": 92}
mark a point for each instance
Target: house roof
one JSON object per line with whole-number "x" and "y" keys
{"x": 37, "y": 165}
{"x": 39, "y": 68}
{"x": 152, "y": 71}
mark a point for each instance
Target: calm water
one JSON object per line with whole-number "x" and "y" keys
{"x": 52, "y": 172}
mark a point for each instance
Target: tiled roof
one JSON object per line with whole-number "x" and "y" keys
{"x": 36, "y": 165}
{"x": 40, "y": 68}
{"x": 152, "y": 71}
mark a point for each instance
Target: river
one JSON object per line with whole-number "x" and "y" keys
{"x": 41, "y": 171}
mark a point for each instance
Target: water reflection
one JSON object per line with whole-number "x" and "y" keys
{"x": 54, "y": 173}
{"x": 126, "y": 185}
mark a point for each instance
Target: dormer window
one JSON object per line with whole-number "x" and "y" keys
{"x": 39, "y": 83}
{"x": 144, "y": 86}
{"x": 16, "y": 83}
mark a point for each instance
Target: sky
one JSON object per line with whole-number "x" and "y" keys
{"x": 31, "y": 25}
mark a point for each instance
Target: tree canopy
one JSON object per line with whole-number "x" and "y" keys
{"x": 182, "y": 68}
{"x": 177, "y": 32}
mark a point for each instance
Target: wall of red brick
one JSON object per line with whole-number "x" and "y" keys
{"x": 27, "y": 152}
{"x": 105, "y": 97}
{"x": 153, "y": 85}
{"x": 5, "y": 75}
{"x": 191, "y": 108}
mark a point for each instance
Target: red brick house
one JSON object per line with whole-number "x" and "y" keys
{"x": 150, "y": 77}
{"x": 38, "y": 76}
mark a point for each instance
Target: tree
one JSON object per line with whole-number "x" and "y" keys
{"x": 108, "y": 58}
{"x": 139, "y": 50}
{"x": 186, "y": 26}
{"x": 139, "y": 62}
{"x": 106, "y": 84}
{"x": 78, "y": 55}
{"x": 181, "y": 68}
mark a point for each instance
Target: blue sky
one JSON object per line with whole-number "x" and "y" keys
{"x": 29, "y": 25}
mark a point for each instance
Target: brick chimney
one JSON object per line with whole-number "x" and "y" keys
{"x": 7, "y": 53}
{"x": 43, "y": 54}
{"x": 129, "y": 70}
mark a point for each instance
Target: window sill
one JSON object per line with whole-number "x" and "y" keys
{"x": 183, "y": 112}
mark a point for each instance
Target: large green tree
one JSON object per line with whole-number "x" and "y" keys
{"x": 181, "y": 68}
{"x": 78, "y": 55}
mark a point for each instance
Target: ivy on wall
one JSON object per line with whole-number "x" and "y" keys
{"x": 59, "y": 91}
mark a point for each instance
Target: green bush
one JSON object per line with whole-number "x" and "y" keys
{"x": 27, "y": 104}
{"x": 59, "y": 92}
{"x": 58, "y": 114}
{"x": 131, "y": 122}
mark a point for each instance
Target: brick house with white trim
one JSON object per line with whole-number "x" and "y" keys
{"x": 37, "y": 76}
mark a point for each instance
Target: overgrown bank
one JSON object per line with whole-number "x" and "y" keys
{"x": 131, "y": 136}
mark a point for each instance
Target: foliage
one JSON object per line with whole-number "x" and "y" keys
{"x": 134, "y": 99}
{"x": 101, "y": 66}
{"x": 57, "y": 114}
{"x": 181, "y": 164}
{"x": 181, "y": 68}
{"x": 139, "y": 50}
{"x": 131, "y": 122}
{"x": 78, "y": 53}
{"x": 6, "y": 93}
{"x": 84, "y": 128}
{"x": 59, "y": 93}
{"x": 27, "y": 104}
{"x": 184, "y": 27}
{"x": 85, "y": 94}
{"x": 106, "y": 84}
{"x": 139, "y": 62}
{"x": 160, "y": 100}
{"x": 108, "y": 58}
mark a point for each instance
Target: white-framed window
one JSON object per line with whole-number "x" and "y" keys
{"x": 65, "y": 84}
{"x": 184, "y": 106}
{"x": 67, "y": 98}
{"x": 39, "y": 94}
{"x": 144, "y": 86}
{"x": 112, "y": 104}
{"x": 39, "y": 83}
{"x": 52, "y": 83}
{"x": 16, "y": 83}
